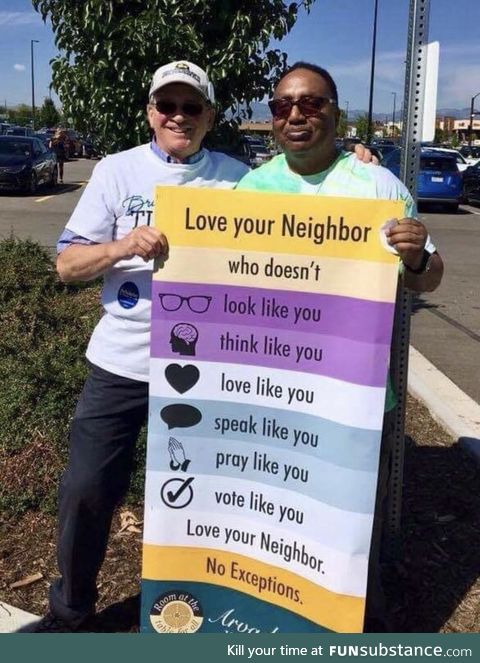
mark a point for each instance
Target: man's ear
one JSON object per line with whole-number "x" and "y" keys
{"x": 150, "y": 110}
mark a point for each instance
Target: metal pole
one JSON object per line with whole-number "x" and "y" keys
{"x": 472, "y": 113}
{"x": 393, "y": 114}
{"x": 372, "y": 74}
{"x": 412, "y": 122}
{"x": 32, "y": 41}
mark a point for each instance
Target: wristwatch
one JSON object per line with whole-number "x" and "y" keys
{"x": 424, "y": 265}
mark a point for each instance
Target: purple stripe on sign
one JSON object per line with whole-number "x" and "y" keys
{"x": 343, "y": 359}
{"x": 332, "y": 315}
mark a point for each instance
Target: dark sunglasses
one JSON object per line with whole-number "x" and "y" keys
{"x": 308, "y": 106}
{"x": 191, "y": 108}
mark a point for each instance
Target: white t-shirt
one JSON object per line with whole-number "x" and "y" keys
{"x": 119, "y": 197}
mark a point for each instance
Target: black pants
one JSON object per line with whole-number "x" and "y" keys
{"x": 109, "y": 415}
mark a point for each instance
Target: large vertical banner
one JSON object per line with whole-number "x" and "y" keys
{"x": 271, "y": 327}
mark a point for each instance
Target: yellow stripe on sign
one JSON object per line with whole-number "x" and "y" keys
{"x": 331, "y": 276}
{"x": 337, "y": 612}
{"x": 279, "y": 223}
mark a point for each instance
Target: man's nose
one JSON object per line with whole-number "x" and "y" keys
{"x": 296, "y": 114}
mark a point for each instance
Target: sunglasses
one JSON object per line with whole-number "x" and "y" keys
{"x": 191, "y": 108}
{"x": 308, "y": 106}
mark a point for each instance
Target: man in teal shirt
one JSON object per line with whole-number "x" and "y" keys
{"x": 305, "y": 116}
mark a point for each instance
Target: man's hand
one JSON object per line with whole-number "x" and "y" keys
{"x": 363, "y": 154}
{"x": 408, "y": 238}
{"x": 143, "y": 241}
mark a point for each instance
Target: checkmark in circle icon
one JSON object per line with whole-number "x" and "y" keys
{"x": 177, "y": 493}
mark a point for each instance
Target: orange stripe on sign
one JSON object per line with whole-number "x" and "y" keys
{"x": 337, "y": 612}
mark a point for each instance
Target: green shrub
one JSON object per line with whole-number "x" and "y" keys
{"x": 44, "y": 330}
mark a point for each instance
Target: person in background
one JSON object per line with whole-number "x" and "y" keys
{"x": 59, "y": 144}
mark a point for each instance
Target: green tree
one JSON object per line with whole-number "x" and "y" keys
{"x": 21, "y": 114}
{"x": 362, "y": 126}
{"x": 48, "y": 115}
{"x": 342, "y": 127}
{"x": 110, "y": 49}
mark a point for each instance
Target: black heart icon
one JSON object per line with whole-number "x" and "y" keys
{"x": 182, "y": 378}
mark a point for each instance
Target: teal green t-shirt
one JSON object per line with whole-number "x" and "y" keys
{"x": 347, "y": 177}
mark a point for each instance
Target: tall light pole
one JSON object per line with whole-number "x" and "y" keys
{"x": 346, "y": 117}
{"x": 372, "y": 73}
{"x": 33, "y": 41}
{"x": 393, "y": 114}
{"x": 472, "y": 113}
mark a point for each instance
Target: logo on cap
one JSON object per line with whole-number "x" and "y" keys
{"x": 183, "y": 68}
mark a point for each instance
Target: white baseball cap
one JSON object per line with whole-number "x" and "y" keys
{"x": 183, "y": 72}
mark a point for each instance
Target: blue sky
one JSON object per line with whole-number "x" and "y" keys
{"x": 336, "y": 34}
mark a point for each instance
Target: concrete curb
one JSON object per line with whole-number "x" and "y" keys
{"x": 449, "y": 406}
{"x": 12, "y": 619}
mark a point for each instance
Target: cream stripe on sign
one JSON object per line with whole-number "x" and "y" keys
{"x": 346, "y": 403}
{"x": 330, "y": 276}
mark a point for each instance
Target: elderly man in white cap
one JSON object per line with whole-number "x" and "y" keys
{"x": 110, "y": 234}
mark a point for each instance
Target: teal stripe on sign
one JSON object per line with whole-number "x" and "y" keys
{"x": 226, "y": 610}
{"x": 354, "y": 448}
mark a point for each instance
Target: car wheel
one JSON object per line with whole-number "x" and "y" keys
{"x": 452, "y": 208}
{"x": 32, "y": 184}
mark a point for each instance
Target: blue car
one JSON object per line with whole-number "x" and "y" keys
{"x": 25, "y": 164}
{"x": 438, "y": 181}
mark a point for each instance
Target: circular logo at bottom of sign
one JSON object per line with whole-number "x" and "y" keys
{"x": 176, "y": 612}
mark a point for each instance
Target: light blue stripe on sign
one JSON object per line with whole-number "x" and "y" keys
{"x": 308, "y": 435}
{"x": 340, "y": 487}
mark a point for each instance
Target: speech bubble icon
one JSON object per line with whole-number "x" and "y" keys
{"x": 180, "y": 416}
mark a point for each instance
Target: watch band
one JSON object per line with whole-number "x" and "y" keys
{"x": 424, "y": 265}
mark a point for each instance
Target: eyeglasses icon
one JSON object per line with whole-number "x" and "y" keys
{"x": 196, "y": 303}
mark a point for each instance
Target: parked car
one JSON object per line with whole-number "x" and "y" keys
{"x": 439, "y": 179}
{"x": 90, "y": 149}
{"x": 471, "y": 184}
{"x": 251, "y": 153}
{"x": 45, "y": 138}
{"x": 20, "y": 131}
{"x": 459, "y": 158}
{"x": 25, "y": 164}
{"x": 74, "y": 148}
{"x": 471, "y": 154}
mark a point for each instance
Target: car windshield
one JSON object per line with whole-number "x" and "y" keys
{"x": 435, "y": 163}
{"x": 259, "y": 149}
{"x": 15, "y": 147}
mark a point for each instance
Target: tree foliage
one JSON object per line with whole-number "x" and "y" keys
{"x": 362, "y": 126}
{"x": 342, "y": 127}
{"x": 48, "y": 115}
{"x": 21, "y": 114}
{"x": 110, "y": 48}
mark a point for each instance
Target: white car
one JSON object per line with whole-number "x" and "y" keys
{"x": 462, "y": 163}
{"x": 471, "y": 154}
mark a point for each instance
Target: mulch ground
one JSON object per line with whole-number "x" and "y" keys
{"x": 433, "y": 584}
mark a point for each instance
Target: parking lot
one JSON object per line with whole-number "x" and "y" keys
{"x": 445, "y": 324}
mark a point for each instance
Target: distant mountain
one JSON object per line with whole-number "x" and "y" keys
{"x": 261, "y": 112}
